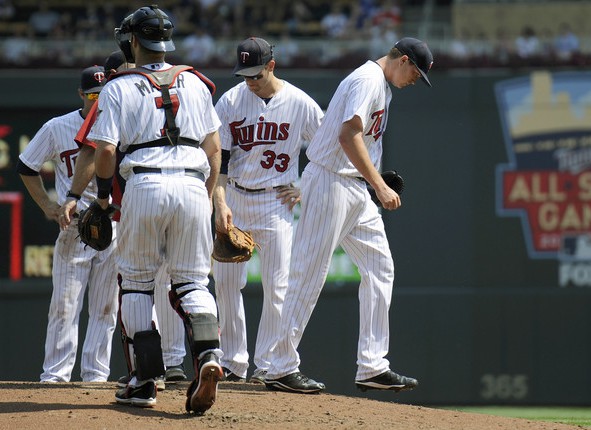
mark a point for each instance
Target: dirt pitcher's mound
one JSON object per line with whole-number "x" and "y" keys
{"x": 77, "y": 405}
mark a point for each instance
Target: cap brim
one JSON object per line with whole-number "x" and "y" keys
{"x": 424, "y": 78}
{"x": 249, "y": 71}
{"x": 158, "y": 45}
{"x": 93, "y": 90}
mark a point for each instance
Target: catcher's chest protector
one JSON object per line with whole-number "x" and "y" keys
{"x": 163, "y": 80}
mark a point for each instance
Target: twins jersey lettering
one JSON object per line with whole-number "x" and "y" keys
{"x": 264, "y": 140}
{"x": 369, "y": 95}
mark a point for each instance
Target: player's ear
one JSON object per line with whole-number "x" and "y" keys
{"x": 271, "y": 65}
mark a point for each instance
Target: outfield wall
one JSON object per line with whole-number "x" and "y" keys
{"x": 492, "y": 245}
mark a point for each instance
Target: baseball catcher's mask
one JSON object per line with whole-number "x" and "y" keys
{"x": 151, "y": 26}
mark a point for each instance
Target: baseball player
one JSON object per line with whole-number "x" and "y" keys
{"x": 337, "y": 210}
{"x": 264, "y": 121}
{"x": 166, "y": 319}
{"x": 168, "y": 133}
{"x": 75, "y": 266}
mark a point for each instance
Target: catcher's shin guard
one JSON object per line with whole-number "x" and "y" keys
{"x": 148, "y": 354}
{"x": 202, "y": 330}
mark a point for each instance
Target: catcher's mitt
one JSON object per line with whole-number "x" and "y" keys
{"x": 235, "y": 247}
{"x": 94, "y": 226}
{"x": 393, "y": 180}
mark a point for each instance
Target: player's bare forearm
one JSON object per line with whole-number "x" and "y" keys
{"x": 104, "y": 159}
{"x": 223, "y": 214}
{"x": 212, "y": 147}
{"x": 83, "y": 169}
{"x": 34, "y": 185}
{"x": 354, "y": 147}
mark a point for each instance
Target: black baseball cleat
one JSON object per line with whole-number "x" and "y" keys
{"x": 124, "y": 380}
{"x": 175, "y": 374}
{"x": 143, "y": 396}
{"x": 387, "y": 381}
{"x": 230, "y": 376}
{"x": 202, "y": 392}
{"x": 295, "y": 383}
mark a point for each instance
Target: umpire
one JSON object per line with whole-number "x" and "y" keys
{"x": 168, "y": 133}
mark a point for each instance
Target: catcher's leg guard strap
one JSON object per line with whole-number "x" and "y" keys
{"x": 148, "y": 354}
{"x": 205, "y": 332}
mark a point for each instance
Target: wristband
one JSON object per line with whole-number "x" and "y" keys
{"x": 73, "y": 195}
{"x": 104, "y": 187}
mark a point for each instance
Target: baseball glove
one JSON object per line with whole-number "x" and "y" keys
{"x": 94, "y": 226}
{"x": 236, "y": 246}
{"x": 393, "y": 180}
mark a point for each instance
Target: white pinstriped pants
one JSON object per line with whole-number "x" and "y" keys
{"x": 76, "y": 267}
{"x": 337, "y": 210}
{"x": 165, "y": 217}
{"x": 271, "y": 224}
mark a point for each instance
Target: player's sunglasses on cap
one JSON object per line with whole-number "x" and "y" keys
{"x": 252, "y": 54}
{"x": 92, "y": 96}
{"x": 419, "y": 54}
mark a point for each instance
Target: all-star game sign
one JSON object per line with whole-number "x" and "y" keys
{"x": 546, "y": 121}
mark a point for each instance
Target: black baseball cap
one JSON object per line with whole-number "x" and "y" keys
{"x": 93, "y": 79}
{"x": 252, "y": 56}
{"x": 418, "y": 52}
{"x": 114, "y": 61}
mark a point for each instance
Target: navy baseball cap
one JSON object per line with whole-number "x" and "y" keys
{"x": 93, "y": 79}
{"x": 418, "y": 52}
{"x": 114, "y": 61}
{"x": 252, "y": 56}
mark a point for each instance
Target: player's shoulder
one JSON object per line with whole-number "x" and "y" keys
{"x": 57, "y": 121}
{"x": 235, "y": 93}
{"x": 298, "y": 95}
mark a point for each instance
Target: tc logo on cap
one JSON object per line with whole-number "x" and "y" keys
{"x": 99, "y": 76}
{"x": 244, "y": 56}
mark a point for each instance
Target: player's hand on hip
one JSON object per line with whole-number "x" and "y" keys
{"x": 289, "y": 195}
{"x": 66, "y": 213}
{"x": 51, "y": 211}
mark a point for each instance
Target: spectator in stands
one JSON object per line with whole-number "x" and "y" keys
{"x": 199, "y": 47}
{"x": 335, "y": 23}
{"x": 566, "y": 43}
{"x": 7, "y": 10}
{"x": 287, "y": 49}
{"x": 382, "y": 35}
{"x": 43, "y": 20}
{"x": 503, "y": 47}
{"x": 361, "y": 13}
{"x": 17, "y": 47}
{"x": 298, "y": 14}
{"x": 527, "y": 43}
{"x": 387, "y": 11}
{"x": 458, "y": 47}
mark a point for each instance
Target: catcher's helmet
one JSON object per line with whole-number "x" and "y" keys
{"x": 151, "y": 26}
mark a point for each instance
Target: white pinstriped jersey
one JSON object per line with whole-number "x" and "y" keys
{"x": 265, "y": 138}
{"x": 130, "y": 111}
{"x": 55, "y": 142}
{"x": 365, "y": 93}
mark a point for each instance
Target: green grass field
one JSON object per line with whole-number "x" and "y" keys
{"x": 567, "y": 415}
